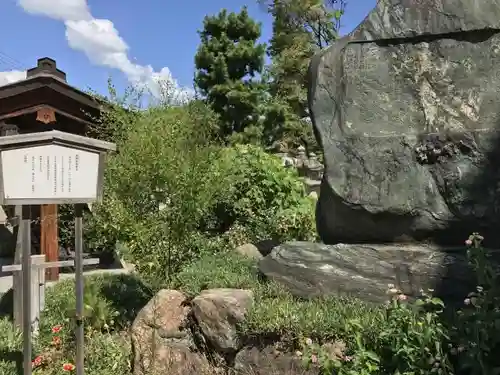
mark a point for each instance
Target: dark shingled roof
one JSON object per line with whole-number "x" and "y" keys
{"x": 46, "y": 86}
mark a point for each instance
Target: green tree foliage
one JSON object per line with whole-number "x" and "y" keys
{"x": 173, "y": 193}
{"x": 228, "y": 64}
{"x": 262, "y": 199}
{"x": 300, "y": 28}
{"x": 317, "y": 21}
{"x": 158, "y": 186}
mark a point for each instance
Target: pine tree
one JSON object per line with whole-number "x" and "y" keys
{"x": 300, "y": 28}
{"x": 228, "y": 63}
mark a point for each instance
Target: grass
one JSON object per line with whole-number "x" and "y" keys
{"x": 276, "y": 313}
{"x": 113, "y": 301}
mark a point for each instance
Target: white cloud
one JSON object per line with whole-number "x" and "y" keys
{"x": 62, "y": 10}
{"x": 101, "y": 42}
{"x": 11, "y": 77}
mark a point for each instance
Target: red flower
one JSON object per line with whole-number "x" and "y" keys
{"x": 68, "y": 367}
{"x": 56, "y": 340}
{"x": 37, "y": 361}
{"x": 56, "y": 329}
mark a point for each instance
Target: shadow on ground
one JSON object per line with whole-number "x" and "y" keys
{"x": 481, "y": 197}
{"x": 15, "y": 357}
{"x": 127, "y": 294}
{"x": 7, "y": 305}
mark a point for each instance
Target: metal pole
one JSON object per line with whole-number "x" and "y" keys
{"x": 26, "y": 272}
{"x": 17, "y": 277}
{"x": 80, "y": 334}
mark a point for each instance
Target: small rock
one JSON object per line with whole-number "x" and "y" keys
{"x": 249, "y": 251}
{"x": 313, "y": 195}
{"x": 159, "y": 342}
{"x": 218, "y": 311}
{"x": 174, "y": 359}
{"x": 165, "y": 312}
{"x": 267, "y": 361}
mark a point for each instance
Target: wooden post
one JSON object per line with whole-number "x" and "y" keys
{"x": 80, "y": 333}
{"x": 5, "y": 130}
{"x": 17, "y": 278}
{"x": 49, "y": 242}
{"x": 26, "y": 272}
{"x": 37, "y": 282}
{"x": 37, "y": 291}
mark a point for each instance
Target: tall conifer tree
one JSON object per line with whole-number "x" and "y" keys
{"x": 228, "y": 63}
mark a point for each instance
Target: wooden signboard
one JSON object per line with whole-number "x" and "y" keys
{"x": 50, "y": 168}
{"x": 45, "y": 173}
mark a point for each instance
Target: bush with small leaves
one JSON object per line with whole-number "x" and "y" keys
{"x": 409, "y": 342}
{"x": 476, "y": 332}
{"x": 173, "y": 193}
{"x": 263, "y": 197}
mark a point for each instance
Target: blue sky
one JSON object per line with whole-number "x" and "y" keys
{"x": 95, "y": 39}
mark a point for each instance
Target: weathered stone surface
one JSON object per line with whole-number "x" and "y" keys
{"x": 269, "y": 361}
{"x": 218, "y": 311}
{"x": 249, "y": 251}
{"x": 167, "y": 312}
{"x": 174, "y": 359}
{"x": 406, "y": 109}
{"x": 312, "y": 269}
{"x": 160, "y": 344}
{"x": 407, "y": 18}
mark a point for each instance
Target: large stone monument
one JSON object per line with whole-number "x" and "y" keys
{"x": 406, "y": 108}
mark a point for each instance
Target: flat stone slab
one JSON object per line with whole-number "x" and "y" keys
{"x": 364, "y": 271}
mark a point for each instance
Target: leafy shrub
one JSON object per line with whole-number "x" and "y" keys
{"x": 108, "y": 354}
{"x": 66, "y": 225}
{"x": 263, "y": 197}
{"x": 476, "y": 329}
{"x": 10, "y": 345}
{"x": 173, "y": 193}
{"x": 157, "y": 188}
{"x": 111, "y": 304}
{"x": 415, "y": 339}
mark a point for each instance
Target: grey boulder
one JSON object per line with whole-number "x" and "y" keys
{"x": 406, "y": 110}
{"x": 311, "y": 270}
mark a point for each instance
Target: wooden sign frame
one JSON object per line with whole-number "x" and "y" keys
{"x": 32, "y": 141}
{"x": 54, "y": 138}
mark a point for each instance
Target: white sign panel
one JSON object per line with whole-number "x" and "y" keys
{"x": 50, "y": 172}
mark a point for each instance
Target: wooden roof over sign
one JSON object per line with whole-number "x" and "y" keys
{"x": 44, "y": 96}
